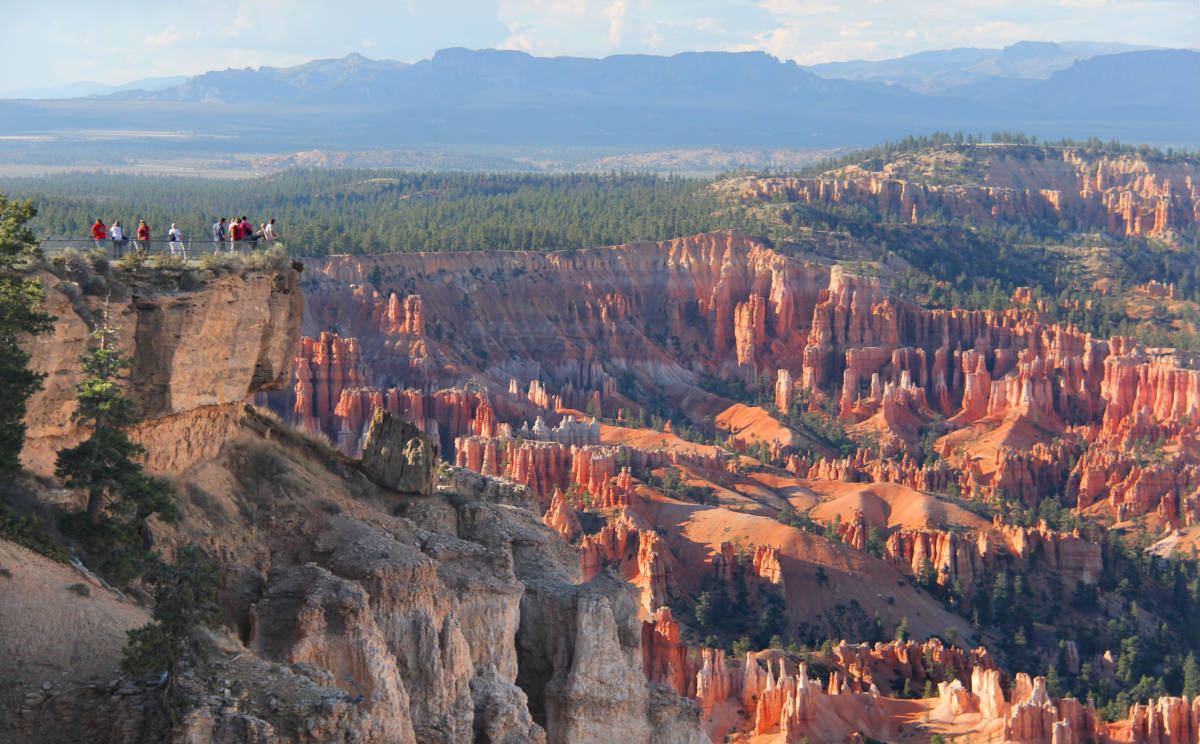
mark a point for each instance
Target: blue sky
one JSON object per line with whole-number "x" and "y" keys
{"x": 60, "y": 41}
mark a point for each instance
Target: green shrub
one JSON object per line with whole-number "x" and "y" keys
{"x": 30, "y": 532}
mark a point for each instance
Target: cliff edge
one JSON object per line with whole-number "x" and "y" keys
{"x": 202, "y": 342}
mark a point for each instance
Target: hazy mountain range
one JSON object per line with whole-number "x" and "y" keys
{"x": 941, "y": 71}
{"x": 91, "y": 88}
{"x": 749, "y": 99}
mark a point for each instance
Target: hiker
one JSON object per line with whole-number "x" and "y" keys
{"x": 143, "y": 238}
{"x": 176, "y": 239}
{"x": 98, "y": 233}
{"x": 218, "y": 235}
{"x": 118, "y": 238}
{"x": 269, "y": 230}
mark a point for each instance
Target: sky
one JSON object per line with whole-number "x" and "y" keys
{"x": 54, "y": 42}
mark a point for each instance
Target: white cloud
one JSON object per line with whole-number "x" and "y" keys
{"x": 810, "y": 31}
{"x": 166, "y": 38}
{"x": 519, "y": 40}
{"x": 798, "y": 7}
{"x": 616, "y": 14}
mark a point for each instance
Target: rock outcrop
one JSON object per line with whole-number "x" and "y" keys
{"x": 198, "y": 353}
{"x": 398, "y": 455}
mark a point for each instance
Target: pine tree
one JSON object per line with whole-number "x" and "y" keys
{"x": 1053, "y": 683}
{"x": 20, "y": 298}
{"x": 927, "y": 574}
{"x": 1191, "y": 676}
{"x": 171, "y": 645}
{"x": 875, "y": 543}
{"x": 120, "y": 494}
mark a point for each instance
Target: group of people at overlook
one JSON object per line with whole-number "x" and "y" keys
{"x": 240, "y": 231}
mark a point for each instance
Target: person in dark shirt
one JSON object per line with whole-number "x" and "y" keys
{"x": 218, "y": 234}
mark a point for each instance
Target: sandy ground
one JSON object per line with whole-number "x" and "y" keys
{"x": 886, "y": 505}
{"x": 60, "y": 627}
{"x": 753, "y": 424}
{"x": 649, "y": 439}
{"x": 695, "y": 533}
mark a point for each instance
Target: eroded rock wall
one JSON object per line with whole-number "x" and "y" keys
{"x": 198, "y": 353}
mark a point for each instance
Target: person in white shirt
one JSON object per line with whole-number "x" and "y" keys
{"x": 117, "y": 233}
{"x": 176, "y": 239}
{"x": 269, "y": 230}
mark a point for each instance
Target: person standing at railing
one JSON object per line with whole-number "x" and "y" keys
{"x": 235, "y": 233}
{"x": 249, "y": 234}
{"x": 246, "y": 234}
{"x": 118, "y": 238}
{"x": 98, "y": 233}
{"x": 176, "y": 239}
{"x": 143, "y": 238}
{"x": 269, "y": 230}
{"x": 218, "y": 235}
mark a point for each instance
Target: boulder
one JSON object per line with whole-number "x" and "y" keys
{"x": 398, "y": 456}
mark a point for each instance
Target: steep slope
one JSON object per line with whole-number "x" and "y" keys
{"x": 360, "y": 606}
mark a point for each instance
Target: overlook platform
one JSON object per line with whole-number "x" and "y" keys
{"x": 186, "y": 249}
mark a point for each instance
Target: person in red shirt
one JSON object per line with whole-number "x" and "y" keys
{"x": 99, "y": 231}
{"x": 143, "y": 237}
{"x": 248, "y": 231}
{"x": 235, "y": 231}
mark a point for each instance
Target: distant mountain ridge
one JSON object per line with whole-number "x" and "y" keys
{"x": 92, "y": 88}
{"x": 341, "y": 80}
{"x": 695, "y": 99}
{"x": 934, "y": 72}
{"x": 1160, "y": 80}
{"x": 355, "y": 78}
{"x": 510, "y": 75}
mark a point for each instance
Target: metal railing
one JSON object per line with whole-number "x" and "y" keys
{"x": 186, "y": 249}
